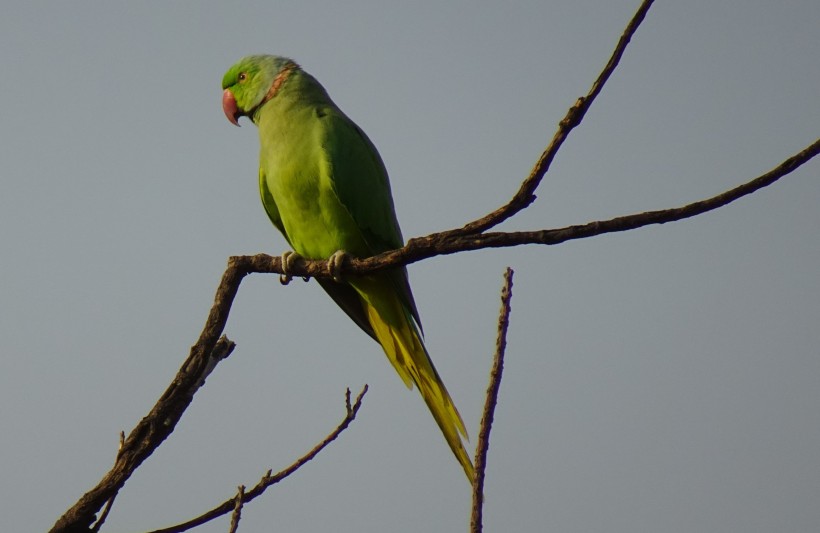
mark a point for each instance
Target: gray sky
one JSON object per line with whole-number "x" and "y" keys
{"x": 665, "y": 379}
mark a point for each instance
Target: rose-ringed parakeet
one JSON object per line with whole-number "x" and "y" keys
{"x": 324, "y": 186}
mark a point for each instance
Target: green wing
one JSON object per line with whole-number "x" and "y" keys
{"x": 359, "y": 179}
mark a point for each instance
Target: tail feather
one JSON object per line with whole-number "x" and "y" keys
{"x": 401, "y": 341}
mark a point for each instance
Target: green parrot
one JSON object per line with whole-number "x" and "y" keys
{"x": 325, "y": 187}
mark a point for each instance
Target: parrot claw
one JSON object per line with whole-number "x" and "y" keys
{"x": 287, "y": 260}
{"x": 334, "y": 265}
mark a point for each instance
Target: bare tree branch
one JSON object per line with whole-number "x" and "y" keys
{"x": 483, "y": 444}
{"x": 267, "y": 480}
{"x": 161, "y": 420}
{"x": 526, "y": 193}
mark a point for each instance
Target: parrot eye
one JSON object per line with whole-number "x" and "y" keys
{"x": 243, "y": 76}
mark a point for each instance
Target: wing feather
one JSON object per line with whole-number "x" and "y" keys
{"x": 357, "y": 167}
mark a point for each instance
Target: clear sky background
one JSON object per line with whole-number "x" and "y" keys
{"x": 664, "y": 379}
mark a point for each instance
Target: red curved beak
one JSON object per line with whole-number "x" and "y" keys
{"x": 229, "y": 107}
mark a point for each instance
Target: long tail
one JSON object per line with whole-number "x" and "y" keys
{"x": 399, "y": 336}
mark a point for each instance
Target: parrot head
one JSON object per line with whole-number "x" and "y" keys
{"x": 251, "y": 82}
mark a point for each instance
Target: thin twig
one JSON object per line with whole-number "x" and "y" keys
{"x": 107, "y": 509}
{"x": 237, "y": 509}
{"x": 483, "y": 444}
{"x": 267, "y": 479}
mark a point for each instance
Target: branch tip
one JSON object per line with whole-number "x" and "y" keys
{"x": 483, "y": 445}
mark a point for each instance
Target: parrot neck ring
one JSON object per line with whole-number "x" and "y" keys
{"x": 280, "y": 78}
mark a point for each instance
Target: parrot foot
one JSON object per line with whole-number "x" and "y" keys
{"x": 287, "y": 261}
{"x": 334, "y": 265}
